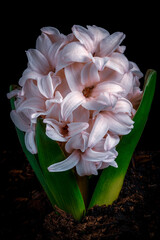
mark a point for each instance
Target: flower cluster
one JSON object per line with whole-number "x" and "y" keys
{"x": 86, "y": 91}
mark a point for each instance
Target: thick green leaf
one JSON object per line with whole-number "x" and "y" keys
{"x": 32, "y": 158}
{"x": 111, "y": 180}
{"x": 63, "y": 185}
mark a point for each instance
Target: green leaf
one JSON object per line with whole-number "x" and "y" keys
{"x": 111, "y": 180}
{"x": 63, "y": 185}
{"x": 32, "y": 158}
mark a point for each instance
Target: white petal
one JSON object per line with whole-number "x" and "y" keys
{"x": 34, "y": 103}
{"x": 89, "y": 75}
{"x": 53, "y": 33}
{"x": 30, "y": 142}
{"x": 43, "y": 44}
{"x": 111, "y": 43}
{"x": 72, "y": 52}
{"x": 100, "y": 63}
{"x": 48, "y": 84}
{"x": 79, "y": 141}
{"x": 37, "y": 61}
{"x": 72, "y": 101}
{"x": 118, "y": 62}
{"x": 73, "y": 76}
{"x": 29, "y": 74}
{"x": 111, "y": 141}
{"x": 84, "y": 36}
{"x": 123, "y": 106}
{"x": 20, "y": 120}
{"x": 98, "y": 35}
{"x": 99, "y": 129}
{"x": 76, "y": 127}
{"x": 120, "y": 124}
{"x": 54, "y": 135}
{"x": 86, "y": 168}
{"x": 67, "y": 164}
{"x": 109, "y": 87}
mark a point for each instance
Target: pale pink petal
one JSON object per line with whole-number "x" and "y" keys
{"x": 43, "y": 44}
{"x": 120, "y": 124}
{"x": 30, "y": 89}
{"x": 72, "y": 52}
{"x": 89, "y": 75}
{"x": 76, "y": 127}
{"x": 30, "y": 142}
{"x": 86, "y": 168}
{"x": 20, "y": 120}
{"x": 99, "y": 129}
{"x": 118, "y": 62}
{"x": 84, "y": 36}
{"x": 93, "y": 104}
{"x": 109, "y": 87}
{"x": 98, "y": 35}
{"x": 67, "y": 164}
{"x": 48, "y": 84}
{"x": 111, "y": 43}
{"x": 37, "y": 61}
{"x": 14, "y": 93}
{"x": 94, "y": 156}
{"x": 79, "y": 141}
{"x": 99, "y": 62}
{"x": 127, "y": 82}
{"x": 34, "y": 103}
{"x": 54, "y": 134}
{"x": 53, "y": 53}
{"x": 123, "y": 106}
{"x": 135, "y": 69}
{"x": 53, "y": 33}
{"x": 73, "y": 76}
{"x": 111, "y": 141}
{"x": 110, "y": 75}
{"x": 29, "y": 74}
{"x": 81, "y": 115}
{"x": 70, "y": 103}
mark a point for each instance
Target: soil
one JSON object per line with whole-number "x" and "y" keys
{"x": 27, "y": 214}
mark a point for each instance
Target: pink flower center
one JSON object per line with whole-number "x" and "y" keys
{"x": 87, "y": 91}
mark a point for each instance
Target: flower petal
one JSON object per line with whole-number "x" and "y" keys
{"x": 70, "y": 103}
{"x": 20, "y": 120}
{"x": 84, "y": 36}
{"x": 84, "y": 167}
{"x": 54, "y": 135}
{"x": 73, "y": 76}
{"x": 79, "y": 141}
{"x": 111, "y": 43}
{"x": 72, "y": 52}
{"x": 76, "y": 127}
{"x": 48, "y": 84}
{"x": 120, "y": 124}
{"x": 123, "y": 106}
{"x": 67, "y": 164}
{"x": 30, "y": 141}
{"x": 118, "y": 62}
{"x": 37, "y": 61}
{"x": 89, "y": 75}
{"x": 111, "y": 141}
{"x": 98, "y": 131}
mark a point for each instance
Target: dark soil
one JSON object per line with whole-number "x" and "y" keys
{"x": 27, "y": 214}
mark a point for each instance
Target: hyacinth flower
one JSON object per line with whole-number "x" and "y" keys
{"x": 79, "y": 113}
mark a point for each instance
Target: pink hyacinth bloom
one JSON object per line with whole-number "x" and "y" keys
{"x": 86, "y": 91}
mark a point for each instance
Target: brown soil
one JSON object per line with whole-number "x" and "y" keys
{"x": 27, "y": 214}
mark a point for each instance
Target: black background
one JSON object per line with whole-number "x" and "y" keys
{"x": 20, "y": 27}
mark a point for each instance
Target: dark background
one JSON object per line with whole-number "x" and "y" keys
{"x": 21, "y": 26}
